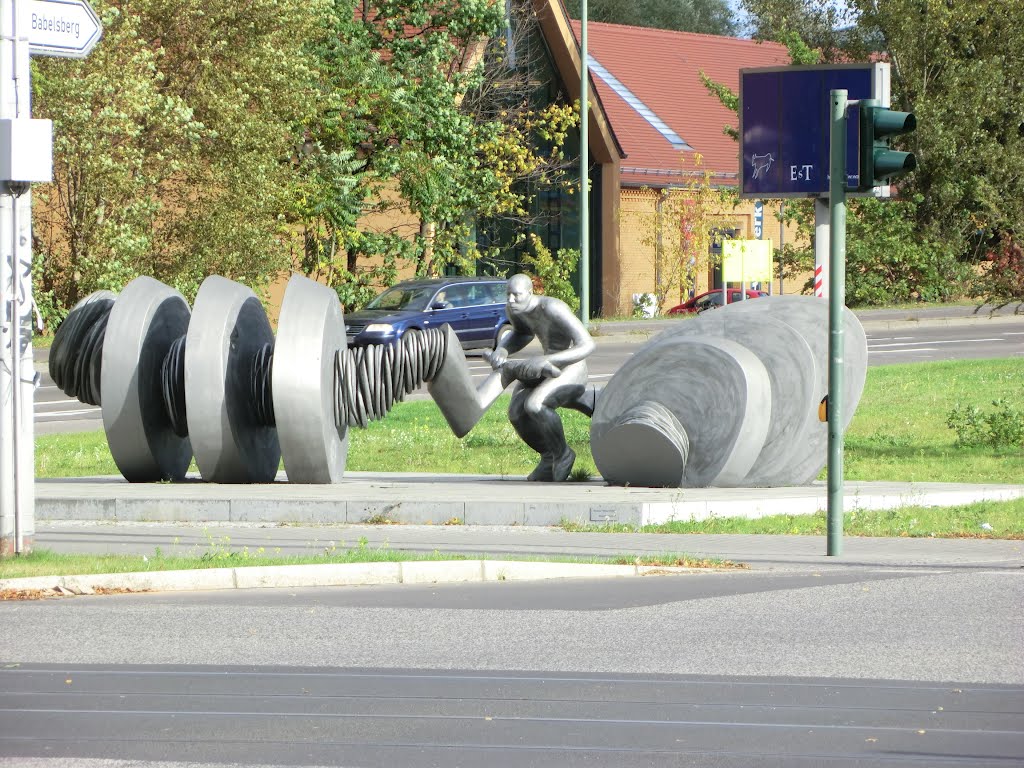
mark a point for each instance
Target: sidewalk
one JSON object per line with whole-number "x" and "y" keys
{"x": 492, "y": 543}
{"x": 473, "y": 516}
{"x": 760, "y": 552}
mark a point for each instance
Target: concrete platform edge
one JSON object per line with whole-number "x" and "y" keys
{"x": 474, "y": 501}
{"x": 332, "y": 575}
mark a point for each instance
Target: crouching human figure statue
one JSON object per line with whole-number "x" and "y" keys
{"x": 557, "y": 378}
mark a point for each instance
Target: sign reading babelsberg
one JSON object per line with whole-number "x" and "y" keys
{"x": 63, "y": 28}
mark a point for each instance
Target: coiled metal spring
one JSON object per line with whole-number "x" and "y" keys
{"x": 76, "y": 355}
{"x": 369, "y": 380}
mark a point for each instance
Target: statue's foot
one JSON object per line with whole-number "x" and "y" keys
{"x": 563, "y": 466}
{"x": 543, "y": 471}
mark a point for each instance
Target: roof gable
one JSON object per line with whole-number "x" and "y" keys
{"x": 660, "y": 70}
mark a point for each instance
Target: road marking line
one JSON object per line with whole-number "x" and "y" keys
{"x": 59, "y": 414}
{"x": 890, "y": 351}
{"x": 949, "y": 341}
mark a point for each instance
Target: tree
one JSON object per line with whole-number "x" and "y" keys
{"x": 169, "y": 140}
{"x": 425, "y": 111}
{"x": 712, "y": 17}
{"x": 824, "y": 26}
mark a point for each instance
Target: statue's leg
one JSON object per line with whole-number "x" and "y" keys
{"x": 527, "y": 429}
{"x": 586, "y": 403}
{"x": 541, "y": 418}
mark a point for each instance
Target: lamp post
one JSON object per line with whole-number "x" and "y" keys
{"x": 584, "y": 171}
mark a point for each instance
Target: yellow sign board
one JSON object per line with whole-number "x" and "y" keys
{"x": 747, "y": 261}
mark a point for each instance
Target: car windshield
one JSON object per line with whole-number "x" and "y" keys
{"x": 403, "y": 297}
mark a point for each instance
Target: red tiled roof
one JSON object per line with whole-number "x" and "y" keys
{"x": 662, "y": 68}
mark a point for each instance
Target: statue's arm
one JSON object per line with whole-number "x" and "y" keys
{"x": 582, "y": 344}
{"x": 509, "y": 344}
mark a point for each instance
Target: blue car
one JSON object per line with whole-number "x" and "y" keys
{"x": 473, "y": 306}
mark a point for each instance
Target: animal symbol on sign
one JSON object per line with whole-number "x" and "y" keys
{"x": 761, "y": 164}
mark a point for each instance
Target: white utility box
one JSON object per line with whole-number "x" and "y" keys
{"x": 26, "y": 150}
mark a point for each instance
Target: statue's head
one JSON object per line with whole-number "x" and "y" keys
{"x": 520, "y": 294}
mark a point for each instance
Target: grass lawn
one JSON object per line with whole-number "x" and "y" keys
{"x": 898, "y": 433}
{"x": 984, "y": 520}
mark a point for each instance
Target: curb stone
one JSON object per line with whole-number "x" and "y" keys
{"x": 334, "y": 575}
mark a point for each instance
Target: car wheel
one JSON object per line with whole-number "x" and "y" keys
{"x": 503, "y": 331}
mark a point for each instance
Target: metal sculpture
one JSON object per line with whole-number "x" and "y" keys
{"x": 215, "y": 383}
{"x": 727, "y": 399}
{"x": 554, "y": 379}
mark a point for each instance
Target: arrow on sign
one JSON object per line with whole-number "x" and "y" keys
{"x": 63, "y": 28}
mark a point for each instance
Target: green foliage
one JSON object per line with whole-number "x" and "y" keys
{"x": 241, "y": 139}
{"x": 420, "y": 116}
{"x": 712, "y": 17}
{"x": 1001, "y": 279}
{"x": 1001, "y": 428}
{"x": 888, "y": 262}
{"x": 817, "y": 30}
{"x": 168, "y": 145}
{"x": 554, "y": 271}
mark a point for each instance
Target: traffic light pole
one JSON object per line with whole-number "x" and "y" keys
{"x": 836, "y": 302}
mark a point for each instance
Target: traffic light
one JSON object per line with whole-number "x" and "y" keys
{"x": 878, "y": 162}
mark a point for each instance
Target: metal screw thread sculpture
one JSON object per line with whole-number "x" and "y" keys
{"x": 172, "y": 385}
{"x": 367, "y": 381}
{"x": 75, "y": 355}
{"x": 371, "y": 379}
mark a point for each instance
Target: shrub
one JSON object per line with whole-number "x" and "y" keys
{"x": 1003, "y": 427}
{"x": 554, "y": 272}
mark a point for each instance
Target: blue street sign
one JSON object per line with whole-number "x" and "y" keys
{"x": 784, "y": 125}
{"x": 758, "y": 219}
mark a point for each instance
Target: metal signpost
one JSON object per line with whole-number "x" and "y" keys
{"x": 67, "y": 29}
{"x": 837, "y": 300}
{"x": 794, "y": 143}
{"x": 584, "y": 261}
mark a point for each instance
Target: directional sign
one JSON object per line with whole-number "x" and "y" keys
{"x": 65, "y": 28}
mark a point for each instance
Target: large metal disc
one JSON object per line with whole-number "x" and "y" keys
{"x": 717, "y": 390}
{"x": 228, "y": 328}
{"x": 795, "y": 385}
{"x": 808, "y": 316}
{"x": 146, "y": 319}
{"x": 310, "y": 331}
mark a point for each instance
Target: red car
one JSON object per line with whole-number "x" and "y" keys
{"x": 712, "y": 300}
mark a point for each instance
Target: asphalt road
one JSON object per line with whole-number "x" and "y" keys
{"x": 917, "y": 342}
{"x": 857, "y": 667}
